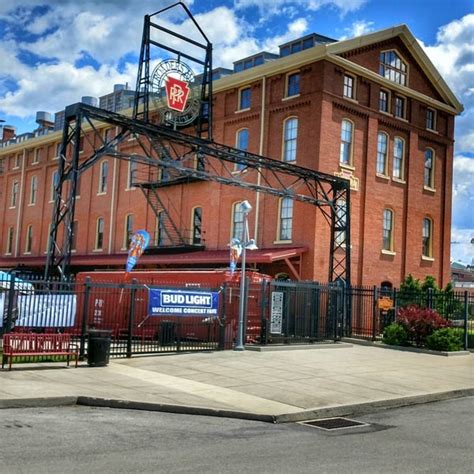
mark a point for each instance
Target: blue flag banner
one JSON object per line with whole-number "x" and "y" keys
{"x": 182, "y": 303}
{"x": 138, "y": 244}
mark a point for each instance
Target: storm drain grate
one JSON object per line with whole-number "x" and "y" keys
{"x": 330, "y": 424}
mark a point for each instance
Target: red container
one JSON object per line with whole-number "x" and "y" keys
{"x": 110, "y": 305}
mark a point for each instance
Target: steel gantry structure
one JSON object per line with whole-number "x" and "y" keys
{"x": 170, "y": 157}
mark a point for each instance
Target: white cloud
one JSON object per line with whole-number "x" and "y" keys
{"x": 274, "y": 7}
{"x": 358, "y": 28}
{"x": 453, "y": 56}
{"x": 52, "y": 86}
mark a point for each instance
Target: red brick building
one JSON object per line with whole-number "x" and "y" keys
{"x": 372, "y": 109}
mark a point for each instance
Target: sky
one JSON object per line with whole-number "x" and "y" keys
{"x": 53, "y": 52}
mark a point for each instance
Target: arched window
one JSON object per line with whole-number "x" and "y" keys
{"x": 237, "y": 221}
{"x": 345, "y": 157}
{"x": 29, "y": 239}
{"x": 290, "y": 135}
{"x": 33, "y": 190}
{"x": 393, "y": 68}
{"x": 132, "y": 172}
{"x": 99, "y": 234}
{"x": 429, "y": 168}
{"x": 54, "y": 183}
{"x": 160, "y": 231}
{"x": 387, "y": 232}
{"x": 9, "y": 248}
{"x": 427, "y": 237}
{"x": 196, "y": 225}
{"x": 14, "y": 196}
{"x": 286, "y": 219}
{"x": 104, "y": 172}
{"x": 382, "y": 150}
{"x": 242, "y": 143}
{"x": 127, "y": 230}
{"x": 398, "y": 158}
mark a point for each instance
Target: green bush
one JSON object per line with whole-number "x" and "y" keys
{"x": 446, "y": 339}
{"x": 395, "y": 335}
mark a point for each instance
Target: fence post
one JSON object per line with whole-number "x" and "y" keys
{"x": 263, "y": 319}
{"x": 374, "y": 313}
{"x": 429, "y": 295}
{"x": 11, "y": 302}
{"x": 223, "y": 322}
{"x": 466, "y": 317}
{"x": 85, "y": 317}
{"x": 131, "y": 317}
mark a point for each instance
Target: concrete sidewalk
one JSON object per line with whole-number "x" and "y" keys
{"x": 283, "y": 385}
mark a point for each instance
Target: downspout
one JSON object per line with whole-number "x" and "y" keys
{"x": 20, "y": 203}
{"x": 260, "y": 152}
{"x": 112, "y": 202}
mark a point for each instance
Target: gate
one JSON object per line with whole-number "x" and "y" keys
{"x": 303, "y": 312}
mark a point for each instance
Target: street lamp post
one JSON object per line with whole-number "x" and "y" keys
{"x": 246, "y": 244}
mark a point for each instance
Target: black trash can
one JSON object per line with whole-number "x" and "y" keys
{"x": 98, "y": 347}
{"x": 167, "y": 333}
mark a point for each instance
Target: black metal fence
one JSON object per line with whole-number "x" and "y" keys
{"x": 275, "y": 312}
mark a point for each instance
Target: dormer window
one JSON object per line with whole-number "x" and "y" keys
{"x": 393, "y": 68}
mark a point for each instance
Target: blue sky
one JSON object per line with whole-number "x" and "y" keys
{"x": 52, "y": 52}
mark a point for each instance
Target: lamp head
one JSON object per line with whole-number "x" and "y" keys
{"x": 251, "y": 245}
{"x": 245, "y": 207}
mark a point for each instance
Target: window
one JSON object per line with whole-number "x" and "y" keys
{"x": 341, "y": 219}
{"x": 398, "y": 157}
{"x": 29, "y": 239}
{"x": 292, "y": 84}
{"x": 197, "y": 226}
{"x": 242, "y": 143}
{"x": 345, "y": 157}
{"x": 382, "y": 149}
{"x": 33, "y": 189}
{"x": 160, "y": 232}
{"x": 427, "y": 237}
{"x": 387, "y": 232}
{"x": 384, "y": 101}
{"x": 286, "y": 218}
{"x": 99, "y": 234}
{"x": 430, "y": 119}
{"x": 9, "y": 248}
{"x": 245, "y": 96}
{"x": 17, "y": 161}
{"x": 429, "y": 168}
{"x": 128, "y": 230}
{"x": 400, "y": 107}
{"x": 290, "y": 135}
{"x": 74, "y": 235}
{"x": 132, "y": 173}
{"x": 349, "y": 91}
{"x": 14, "y": 197}
{"x": 54, "y": 183}
{"x": 104, "y": 171}
{"x": 58, "y": 150}
{"x": 393, "y": 68}
{"x": 237, "y": 221}
{"x": 36, "y": 156}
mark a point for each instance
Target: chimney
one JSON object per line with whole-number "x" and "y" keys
{"x": 9, "y": 132}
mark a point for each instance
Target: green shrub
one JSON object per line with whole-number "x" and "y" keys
{"x": 395, "y": 335}
{"x": 447, "y": 339}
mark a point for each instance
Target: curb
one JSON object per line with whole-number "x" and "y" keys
{"x": 167, "y": 408}
{"x": 306, "y": 415}
{"x": 371, "y": 407}
{"x": 298, "y": 347}
{"x": 418, "y": 350}
{"x": 38, "y": 402}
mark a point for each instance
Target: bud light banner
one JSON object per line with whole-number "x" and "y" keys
{"x": 182, "y": 303}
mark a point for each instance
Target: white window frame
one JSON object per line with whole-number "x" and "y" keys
{"x": 99, "y": 221}
{"x": 33, "y": 190}
{"x": 397, "y": 158}
{"x": 433, "y": 111}
{"x": 29, "y": 239}
{"x": 390, "y": 212}
{"x": 10, "y": 237}
{"x": 342, "y": 148}
{"x": 428, "y": 255}
{"x": 237, "y": 212}
{"x": 404, "y": 110}
{"x": 389, "y": 95}
{"x": 290, "y": 142}
{"x": 395, "y": 70}
{"x": 282, "y": 219}
{"x": 14, "y": 194}
{"x": 238, "y": 134}
{"x": 239, "y": 105}
{"x": 287, "y": 84}
{"x": 102, "y": 189}
{"x": 127, "y": 233}
{"x": 383, "y": 173}
{"x": 352, "y": 88}
{"x": 431, "y": 184}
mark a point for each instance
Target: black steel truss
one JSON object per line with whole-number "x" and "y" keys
{"x": 143, "y": 94}
{"x": 173, "y": 157}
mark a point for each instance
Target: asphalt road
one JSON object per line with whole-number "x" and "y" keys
{"x": 432, "y": 438}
